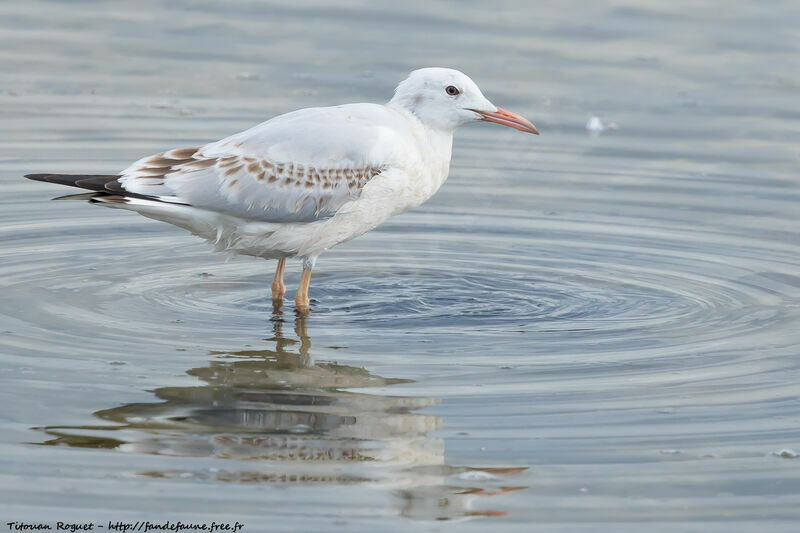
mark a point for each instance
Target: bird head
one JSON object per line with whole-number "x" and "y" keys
{"x": 444, "y": 98}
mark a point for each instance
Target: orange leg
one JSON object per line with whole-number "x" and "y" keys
{"x": 301, "y": 300}
{"x": 278, "y": 288}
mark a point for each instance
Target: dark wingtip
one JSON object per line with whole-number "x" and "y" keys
{"x": 37, "y": 177}
{"x": 92, "y": 182}
{"x": 107, "y": 185}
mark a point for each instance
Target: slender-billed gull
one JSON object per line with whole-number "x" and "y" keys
{"x": 299, "y": 183}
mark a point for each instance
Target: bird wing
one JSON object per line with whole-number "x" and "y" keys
{"x": 299, "y": 167}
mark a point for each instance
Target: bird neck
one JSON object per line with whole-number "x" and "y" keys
{"x": 436, "y": 147}
{"x": 437, "y": 142}
{"x": 423, "y": 115}
{"x": 440, "y": 143}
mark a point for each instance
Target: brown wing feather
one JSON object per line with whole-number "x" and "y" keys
{"x": 246, "y": 184}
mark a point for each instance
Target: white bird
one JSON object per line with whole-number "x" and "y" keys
{"x": 299, "y": 183}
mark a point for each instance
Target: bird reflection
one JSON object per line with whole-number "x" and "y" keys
{"x": 296, "y": 421}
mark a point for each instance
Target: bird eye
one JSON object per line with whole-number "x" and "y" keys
{"x": 452, "y": 90}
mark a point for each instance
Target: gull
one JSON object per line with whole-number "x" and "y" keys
{"x": 302, "y": 182}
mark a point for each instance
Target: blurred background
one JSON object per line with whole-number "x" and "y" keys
{"x": 596, "y": 325}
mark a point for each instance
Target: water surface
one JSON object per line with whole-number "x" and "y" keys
{"x": 578, "y": 329}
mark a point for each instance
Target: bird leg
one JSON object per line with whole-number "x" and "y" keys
{"x": 301, "y": 300}
{"x": 278, "y": 288}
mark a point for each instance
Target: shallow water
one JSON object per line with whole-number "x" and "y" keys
{"x": 578, "y": 329}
